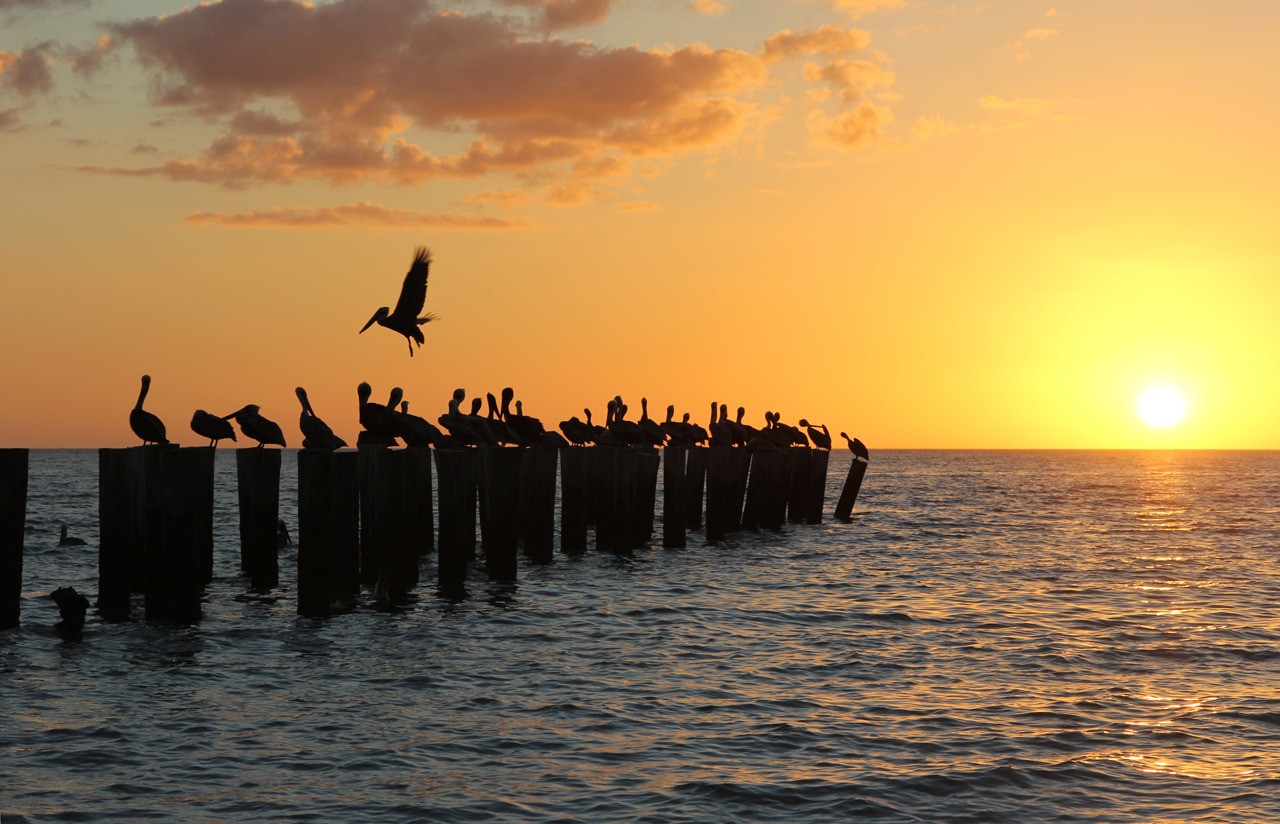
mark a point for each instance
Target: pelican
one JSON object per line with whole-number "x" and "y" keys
{"x": 316, "y": 434}
{"x": 143, "y": 423}
{"x": 528, "y": 430}
{"x": 372, "y": 415}
{"x": 413, "y": 294}
{"x": 821, "y": 439}
{"x": 415, "y": 430}
{"x": 458, "y": 424}
{"x": 857, "y": 447}
{"x": 255, "y": 426}
{"x": 207, "y": 425}
{"x": 66, "y": 540}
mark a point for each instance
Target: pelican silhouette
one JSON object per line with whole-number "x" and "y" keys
{"x": 316, "y": 434}
{"x": 528, "y": 430}
{"x": 377, "y": 430}
{"x": 818, "y": 434}
{"x": 208, "y": 425}
{"x": 67, "y": 540}
{"x": 253, "y": 425}
{"x": 857, "y": 447}
{"x": 413, "y": 295}
{"x": 143, "y": 423}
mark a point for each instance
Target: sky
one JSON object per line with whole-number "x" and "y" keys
{"x": 928, "y": 224}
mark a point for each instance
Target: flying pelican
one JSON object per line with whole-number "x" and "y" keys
{"x": 207, "y": 425}
{"x": 857, "y": 447}
{"x": 253, "y": 425}
{"x": 143, "y": 423}
{"x": 316, "y": 434}
{"x": 67, "y": 540}
{"x": 413, "y": 295}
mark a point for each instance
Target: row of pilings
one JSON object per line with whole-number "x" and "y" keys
{"x": 366, "y": 517}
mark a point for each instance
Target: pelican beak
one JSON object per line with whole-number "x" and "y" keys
{"x": 233, "y": 414}
{"x": 376, "y": 315}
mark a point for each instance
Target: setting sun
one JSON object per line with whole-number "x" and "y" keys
{"x": 1162, "y": 406}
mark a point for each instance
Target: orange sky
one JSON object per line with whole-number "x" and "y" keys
{"x": 931, "y": 224}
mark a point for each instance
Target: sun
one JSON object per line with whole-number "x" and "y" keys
{"x": 1162, "y": 406}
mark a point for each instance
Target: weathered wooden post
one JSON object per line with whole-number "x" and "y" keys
{"x": 798, "y": 495}
{"x": 695, "y": 476}
{"x": 720, "y": 481}
{"x": 344, "y": 526}
{"x": 500, "y": 513}
{"x": 385, "y": 494}
{"x": 538, "y": 502}
{"x": 741, "y": 459}
{"x": 852, "y": 484}
{"x": 456, "y": 485}
{"x": 115, "y": 532}
{"x": 417, "y": 522}
{"x": 315, "y": 533}
{"x": 621, "y": 508}
{"x": 646, "y": 492}
{"x": 258, "y": 480}
{"x": 593, "y": 468}
{"x": 777, "y": 468}
{"x": 753, "y": 508}
{"x": 150, "y": 505}
{"x": 182, "y": 545}
{"x": 367, "y": 461}
{"x": 573, "y": 516}
{"x": 818, "y": 460}
{"x": 608, "y": 492}
{"x": 202, "y": 475}
{"x": 674, "y": 497}
{"x": 14, "y": 464}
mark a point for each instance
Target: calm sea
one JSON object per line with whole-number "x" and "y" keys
{"x": 998, "y": 636}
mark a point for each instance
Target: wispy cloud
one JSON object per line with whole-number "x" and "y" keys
{"x": 27, "y": 72}
{"x": 711, "y": 8}
{"x": 355, "y": 214}
{"x": 564, "y": 14}
{"x": 1022, "y": 50}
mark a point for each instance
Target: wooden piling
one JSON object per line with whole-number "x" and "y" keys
{"x": 344, "y": 528}
{"x": 384, "y": 491}
{"x": 674, "y": 496}
{"x": 182, "y": 545}
{"x": 456, "y": 488}
{"x": 646, "y": 491}
{"x": 777, "y": 469}
{"x": 538, "y": 502}
{"x": 203, "y": 458}
{"x": 798, "y": 476}
{"x": 14, "y": 464}
{"x": 315, "y": 535}
{"x": 609, "y": 493}
{"x": 721, "y": 468}
{"x": 818, "y": 461}
{"x": 593, "y": 466}
{"x": 500, "y": 512}
{"x": 753, "y": 506}
{"x": 741, "y": 462}
{"x": 417, "y": 533}
{"x": 258, "y": 481}
{"x": 149, "y": 509}
{"x": 852, "y": 484}
{"x": 115, "y": 532}
{"x": 366, "y": 462}
{"x": 695, "y": 477}
{"x": 573, "y": 516}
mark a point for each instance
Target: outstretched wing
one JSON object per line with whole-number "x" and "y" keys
{"x": 413, "y": 294}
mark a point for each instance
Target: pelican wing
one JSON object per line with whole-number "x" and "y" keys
{"x": 413, "y": 294}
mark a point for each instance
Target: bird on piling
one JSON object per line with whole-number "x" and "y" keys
{"x": 696, "y": 433}
{"x": 413, "y": 295}
{"x": 629, "y": 432}
{"x": 254, "y": 426}
{"x": 649, "y": 428}
{"x": 793, "y": 433}
{"x": 144, "y": 424}
{"x": 528, "y": 430}
{"x": 677, "y": 433}
{"x": 66, "y": 540}
{"x": 857, "y": 447}
{"x": 316, "y": 434}
{"x": 208, "y": 425}
{"x": 459, "y": 425}
{"x": 721, "y": 435}
{"x": 577, "y": 432}
{"x": 821, "y": 439}
{"x": 377, "y": 430}
{"x": 417, "y": 431}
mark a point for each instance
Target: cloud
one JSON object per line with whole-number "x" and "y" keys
{"x": 711, "y": 8}
{"x": 38, "y": 5}
{"x": 854, "y": 129}
{"x": 363, "y": 90}
{"x": 27, "y": 72}
{"x": 10, "y": 120}
{"x": 853, "y": 9}
{"x": 1021, "y": 51}
{"x": 564, "y": 14}
{"x": 356, "y": 214}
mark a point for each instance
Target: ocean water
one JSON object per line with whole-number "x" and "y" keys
{"x": 997, "y": 636}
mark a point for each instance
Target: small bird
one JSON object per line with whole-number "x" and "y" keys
{"x": 253, "y": 425}
{"x": 143, "y": 423}
{"x": 207, "y": 425}
{"x": 413, "y": 296}
{"x": 857, "y": 447}
{"x": 67, "y": 540}
{"x": 316, "y": 434}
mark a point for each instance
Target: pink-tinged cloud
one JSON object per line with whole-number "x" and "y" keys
{"x": 345, "y": 91}
{"x": 711, "y": 8}
{"x": 27, "y": 72}
{"x": 564, "y": 14}
{"x": 35, "y": 5}
{"x": 855, "y": 129}
{"x": 355, "y": 214}
{"x": 10, "y": 120}
{"x": 853, "y": 9}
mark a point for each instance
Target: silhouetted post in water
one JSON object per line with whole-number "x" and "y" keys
{"x": 593, "y": 463}
{"x": 753, "y": 507}
{"x": 419, "y": 522}
{"x": 741, "y": 467}
{"x": 13, "y": 522}
{"x": 721, "y": 475}
{"x": 818, "y": 461}
{"x": 853, "y": 483}
{"x": 674, "y": 497}
{"x": 456, "y": 486}
{"x": 115, "y": 531}
{"x": 573, "y": 515}
{"x": 646, "y": 492}
{"x": 366, "y": 472}
{"x": 150, "y": 505}
{"x": 258, "y": 479}
{"x": 619, "y": 508}
{"x": 500, "y": 510}
{"x": 798, "y": 496}
{"x": 695, "y": 475}
{"x": 344, "y": 526}
{"x": 182, "y": 545}
{"x": 777, "y": 472}
{"x": 315, "y": 536}
{"x": 202, "y": 477}
{"x": 538, "y": 502}
{"x": 384, "y": 492}
{"x": 609, "y": 492}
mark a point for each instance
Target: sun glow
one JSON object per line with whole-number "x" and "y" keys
{"x": 1162, "y": 406}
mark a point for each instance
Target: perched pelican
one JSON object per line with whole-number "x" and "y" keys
{"x": 316, "y": 434}
{"x": 67, "y": 540}
{"x": 207, "y": 425}
{"x": 577, "y": 432}
{"x": 649, "y": 428}
{"x": 413, "y": 295}
{"x": 458, "y": 424}
{"x": 528, "y": 430}
{"x": 821, "y": 439}
{"x": 143, "y": 423}
{"x": 678, "y": 433}
{"x": 253, "y": 425}
{"x": 417, "y": 431}
{"x": 377, "y": 430}
{"x": 857, "y": 447}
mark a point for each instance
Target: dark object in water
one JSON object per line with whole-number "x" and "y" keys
{"x": 282, "y": 535}
{"x": 72, "y": 606}
{"x": 67, "y": 540}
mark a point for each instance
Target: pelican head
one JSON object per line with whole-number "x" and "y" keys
{"x": 302, "y": 398}
{"x": 804, "y": 421}
{"x": 383, "y": 311}
{"x": 247, "y": 409}
{"x": 397, "y": 394}
{"x": 364, "y": 391}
